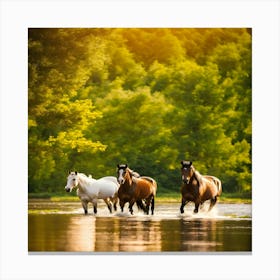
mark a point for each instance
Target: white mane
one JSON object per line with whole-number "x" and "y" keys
{"x": 85, "y": 179}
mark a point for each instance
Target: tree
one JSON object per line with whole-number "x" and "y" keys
{"x": 58, "y": 122}
{"x": 147, "y": 97}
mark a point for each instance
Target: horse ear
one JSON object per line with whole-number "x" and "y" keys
{"x": 69, "y": 172}
{"x": 76, "y": 172}
{"x": 190, "y": 163}
{"x": 125, "y": 165}
{"x": 118, "y": 165}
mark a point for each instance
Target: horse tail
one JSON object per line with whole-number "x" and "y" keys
{"x": 151, "y": 180}
{"x": 218, "y": 184}
{"x": 155, "y": 188}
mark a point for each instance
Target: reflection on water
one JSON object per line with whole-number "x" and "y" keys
{"x": 166, "y": 231}
{"x": 208, "y": 235}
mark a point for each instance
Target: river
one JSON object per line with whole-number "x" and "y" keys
{"x": 62, "y": 227}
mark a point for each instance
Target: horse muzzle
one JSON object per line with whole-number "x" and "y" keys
{"x": 185, "y": 180}
{"x": 67, "y": 189}
{"x": 121, "y": 181}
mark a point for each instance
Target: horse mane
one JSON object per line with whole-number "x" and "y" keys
{"x": 86, "y": 178}
{"x": 198, "y": 176}
{"x": 133, "y": 173}
{"x": 83, "y": 175}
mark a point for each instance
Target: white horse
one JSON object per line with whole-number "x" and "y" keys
{"x": 90, "y": 190}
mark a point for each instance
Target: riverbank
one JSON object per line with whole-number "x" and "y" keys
{"x": 225, "y": 198}
{"x": 161, "y": 197}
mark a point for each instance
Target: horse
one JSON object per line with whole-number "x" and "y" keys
{"x": 90, "y": 190}
{"x": 139, "y": 202}
{"x": 135, "y": 189}
{"x": 198, "y": 188}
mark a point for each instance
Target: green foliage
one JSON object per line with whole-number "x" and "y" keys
{"x": 146, "y": 97}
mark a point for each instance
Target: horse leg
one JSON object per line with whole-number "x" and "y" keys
{"x": 115, "y": 201}
{"x": 196, "y": 205}
{"x": 109, "y": 205}
{"x": 85, "y": 206}
{"x": 148, "y": 202}
{"x": 140, "y": 205}
{"x": 94, "y": 202}
{"x": 184, "y": 202}
{"x": 153, "y": 205}
{"x": 122, "y": 204}
{"x": 131, "y": 206}
{"x": 115, "y": 204}
{"x": 212, "y": 203}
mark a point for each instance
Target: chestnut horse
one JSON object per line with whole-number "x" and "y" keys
{"x": 134, "y": 189}
{"x": 198, "y": 188}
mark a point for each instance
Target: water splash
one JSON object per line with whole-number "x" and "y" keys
{"x": 163, "y": 211}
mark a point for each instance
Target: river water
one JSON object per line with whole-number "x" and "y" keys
{"x": 62, "y": 227}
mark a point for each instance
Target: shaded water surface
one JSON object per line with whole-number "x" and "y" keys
{"x": 62, "y": 227}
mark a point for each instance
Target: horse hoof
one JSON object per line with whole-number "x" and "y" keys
{"x": 182, "y": 211}
{"x": 195, "y": 210}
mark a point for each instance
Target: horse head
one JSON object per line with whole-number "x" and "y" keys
{"x": 186, "y": 171}
{"x": 121, "y": 173}
{"x": 72, "y": 181}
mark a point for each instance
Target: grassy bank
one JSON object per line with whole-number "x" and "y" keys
{"x": 225, "y": 198}
{"x": 172, "y": 197}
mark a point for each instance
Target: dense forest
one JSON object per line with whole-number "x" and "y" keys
{"x": 146, "y": 97}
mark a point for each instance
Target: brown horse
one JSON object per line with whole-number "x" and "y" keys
{"x": 133, "y": 189}
{"x": 198, "y": 188}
